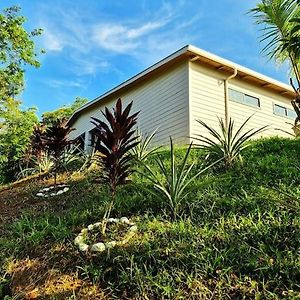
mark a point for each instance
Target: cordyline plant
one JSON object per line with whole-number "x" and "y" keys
{"x": 37, "y": 146}
{"x": 56, "y": 139}
{"x": 116, "y": 139}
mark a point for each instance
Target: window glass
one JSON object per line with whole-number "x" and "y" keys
{"x": 252, "y": 100}
{"x": 236, "y": 96}
{"x": 243, "y": 98}
{"x": 280, "y": 110}
{"x": 291, "y": 113}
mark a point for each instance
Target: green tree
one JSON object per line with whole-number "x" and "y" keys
{"x": 16, "y": 128}
{"x": 17, "y": 49}
{"x": 49, "y": 118}
{"x": 281, "y": 30}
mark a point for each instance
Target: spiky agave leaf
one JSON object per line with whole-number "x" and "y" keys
{"x": 228, "y": 144}
{"x": 144, "y": 149}
{"x": 176, "y": 178}
{"x": 116, "y": 139}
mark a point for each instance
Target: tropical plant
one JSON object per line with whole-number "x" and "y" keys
{"x": 281, "y": 33}
{"x": 173, "y": 187}
{"x": 229, "y": 144}
{"x": 116, "y": 139}
{"x": 56, "y": 140}
{"x": 143, "y": 149}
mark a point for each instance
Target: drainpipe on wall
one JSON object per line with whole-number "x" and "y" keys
{"x": 227, "y": 95}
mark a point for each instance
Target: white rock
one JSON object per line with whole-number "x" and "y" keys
{"x": 133, "y": 228}
{"x": 83, "y": 247}
{"x": 53, "y": 194}
{"x": 124, "y": 220}
{"x": 65, "y": 189}
{"x": 98, "y": 247}
{"x": 79, "y": 240}
{"x": 40, "y": 194}
{"x": 60, "y": 192}
{"x": 111, "y": 245}
{"x": 90, "y": 227}
{"x": 45, "y": 190}
{"x": 112, "y": 220}
{"x": 98, "y": 224}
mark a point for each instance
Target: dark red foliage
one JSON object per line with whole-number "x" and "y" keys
{"x": 56, "y": 137}
{"x": 37, "y": 146}
{"x": 116, "y": 139}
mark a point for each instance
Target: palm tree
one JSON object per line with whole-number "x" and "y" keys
{"x": 281, "y": 33}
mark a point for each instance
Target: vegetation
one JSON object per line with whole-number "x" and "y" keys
{"x": 116, "y": 139}
{"x": 56, "y": 140}
{"x": 175, "y": 181}
{"x": 17, "y": 49}
{"x": 144, "y": 148}
{"x": 281, "y": 31}
{"x": 65, "y": 112}
{"x": 239, "y": 238}
{"x": 229, "y": 144}
{"x": 16, "y": 127}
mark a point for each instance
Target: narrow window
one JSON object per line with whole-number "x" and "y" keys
{"x": 283, "y": 111}
{"x": 243, "y": 98}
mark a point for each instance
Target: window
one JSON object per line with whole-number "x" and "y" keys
{"x": 284, "y": 111}
{"x": 243, "y": 98}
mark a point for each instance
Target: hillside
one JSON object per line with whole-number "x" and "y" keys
{"x": 239, "y": 237}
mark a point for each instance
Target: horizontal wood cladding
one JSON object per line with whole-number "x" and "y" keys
{"x": 162, "y": 102}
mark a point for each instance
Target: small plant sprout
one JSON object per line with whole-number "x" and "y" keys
{"x": 228, "y": 144}
{"x": 116, "y": 139}
{"x": 176, "y": 179}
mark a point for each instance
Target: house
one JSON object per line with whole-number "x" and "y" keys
{"x": 193, "y": 84}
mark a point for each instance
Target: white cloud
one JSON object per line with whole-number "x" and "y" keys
{"x": 121, "y": 38}
{"x": 51, "y": 41}
{"x": 56, "y": 83}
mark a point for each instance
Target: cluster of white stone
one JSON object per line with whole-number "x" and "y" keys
{"x": 48, "y": 191}
{"x": 81, "y": 239}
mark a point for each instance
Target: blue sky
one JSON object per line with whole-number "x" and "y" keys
{"x": 93, "y": 45}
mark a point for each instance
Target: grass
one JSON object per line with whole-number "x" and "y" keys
{"x": 239, "y": 239}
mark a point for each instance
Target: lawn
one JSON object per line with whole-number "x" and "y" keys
{"x": 238, "y": 237}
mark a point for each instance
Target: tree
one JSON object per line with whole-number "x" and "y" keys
{"x": 49, "y": 118}
{"x": 16, "y": 128}
{"x": 17, "y": 49}
{"x": 281, "y": 31}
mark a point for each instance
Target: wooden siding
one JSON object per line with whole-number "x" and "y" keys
{"x": 162, "y": 102}
{"x": 207, "y": 96}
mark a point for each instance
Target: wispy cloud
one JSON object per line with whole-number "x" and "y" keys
{"x": 137, "y": 37}
{"x": 57, "y": 83}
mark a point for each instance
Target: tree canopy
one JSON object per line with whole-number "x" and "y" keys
{"x": 17, "y": 49}
{"x": 49, "y": 118}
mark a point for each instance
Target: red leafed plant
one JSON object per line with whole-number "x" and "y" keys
{"x": 116, "y": 139}
{"x": 56, "y": 139}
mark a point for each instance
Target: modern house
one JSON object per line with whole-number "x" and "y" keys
{"x": 193, "y": 84}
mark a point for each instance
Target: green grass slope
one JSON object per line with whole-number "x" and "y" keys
{"x": 239, "y": 239}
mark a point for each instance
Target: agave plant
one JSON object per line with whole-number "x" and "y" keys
{"x": 143, "y": 149}
{"x": 176, "y": 179}
{"x": 229, "y": 144}
{"x": 116, "y": 139}
{"x": 56, "y": 140}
